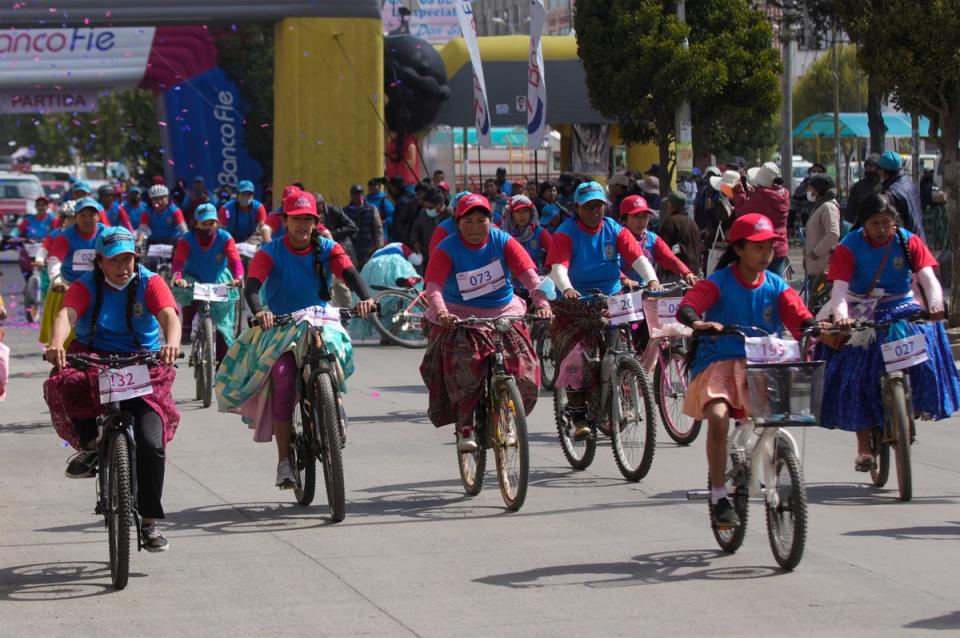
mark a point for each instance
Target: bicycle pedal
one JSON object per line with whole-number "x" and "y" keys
{"x": 698, "y": 495}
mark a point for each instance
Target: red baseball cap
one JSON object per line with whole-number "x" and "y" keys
{"x": 635, "y": 204}
{"x": 289, "y": 190}
{"x": 471, "y": 201}
{"x": 443, "y": 186}
{"x": 300, "y": 203}
{"x": 752, "y": 227}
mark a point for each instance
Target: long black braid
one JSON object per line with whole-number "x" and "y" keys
{"x": 318, "y": 269}
{"x": 100, "y": 280}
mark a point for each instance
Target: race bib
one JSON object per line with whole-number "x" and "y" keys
{"x": 210, "y": 292}
{"x": 83, "y": 259}
{"x": 246, "y": 249}
{"x": 904, "y": 353}
{"x": 121, "y": 384}
{"x": 160, "y": 251}
{"x": 667, "y": 310}
{"x": 476, "y": 283}
{"x": 31, "y": 248}
{"x": 625, "y": 308}
{"x": 771, "y": 350}
{"x": 318, "y": 316}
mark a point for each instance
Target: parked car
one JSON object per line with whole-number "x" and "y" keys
{"x": 54, "y": 181}
{"x": 18, "y": 194}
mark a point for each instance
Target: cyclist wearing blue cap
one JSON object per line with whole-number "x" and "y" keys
{"x": 116, "y": 216}
{"x": 244, "y": 216}
{"x": 117, "y": 307}
{"x": 903, "y": 193}
{"x": 134, "y": 207}
{"x": 81, "y": 190}
{"x": 588, "y": 252}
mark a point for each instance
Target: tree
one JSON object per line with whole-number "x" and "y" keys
{"x": 813, "y": 92}
{"x": 639, "y": 72}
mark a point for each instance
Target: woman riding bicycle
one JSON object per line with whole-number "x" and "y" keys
{"x": 208, "y": 255}
{"x": 588, "y": 252}
{"x": 258, "y": 377}
{"x": 117, "y": 308}
{"x": 162, "y": 222}
{"x": 522, "y": 222}
{"x": 741, "y": 291}
{"x": 871, "y": 270}
{"x": 468, "y": 277}
{"x": 71, "y": 256}
{"x": 385, "y": 266}
{"x": 244, "y": 216}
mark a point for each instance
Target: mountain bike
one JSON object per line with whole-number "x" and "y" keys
{"x": 621, "y": 405}
{"x": 26, "y": 252}
{"x": 500, "y": 423}
{"x": 764, "y": 460}
{"x": 319, "y": 420}
{"x": 543, "y": 345}
{"x": 402, "y": 317}
{"x": 203, "y": 352}
{"x": 121, "y": 378}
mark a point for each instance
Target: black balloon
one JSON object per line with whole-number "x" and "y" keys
{"x": 415, "y": 83}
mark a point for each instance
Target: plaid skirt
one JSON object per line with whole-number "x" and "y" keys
{"x": 455, "y": 365}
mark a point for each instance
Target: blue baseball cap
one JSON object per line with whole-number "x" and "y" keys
{"x": 88, "y": 202}
{"x": 246, "y": 186}
{"x": 696, "y": 172}
{"x": 199, "y": 178}
{"x": 589, "y": 192}
{"x": 115, "y": 241}
{"x": 81, "y": 185}
{"x": 890, "y": 161}
{"x": 205, "y": 212}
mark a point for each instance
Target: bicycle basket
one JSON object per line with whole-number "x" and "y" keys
{"x": 651, "y": 311}
{"x": 787, "y": 394}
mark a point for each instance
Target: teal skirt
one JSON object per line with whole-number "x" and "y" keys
{"x": 223, "y": 313}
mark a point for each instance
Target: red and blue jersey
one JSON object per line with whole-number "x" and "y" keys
{"x": 32, "y": 227}
{"x": 275, "y": 222}
{"x": 75, "y": 251}
{"x": 117, "y": 216}
{"x": 207, "y": 263}
{"x": 134, "y": 213}
{"x": 657, "y": 251}
{"x": 395, "y": 248}
{"x": 242, "y": 223}
{"x": 443, "y": 230}
{"x": 593, "y": 257}
{"x": 113, "y": 329}
{"x": 725, "y": 298}
{"x": 164, "y": 225}
{"x": 288, "y": 276}
{"x": 856, "y": 260}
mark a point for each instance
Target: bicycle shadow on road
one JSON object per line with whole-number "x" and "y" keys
{"x": 646, "y": 569}
{"x": 951, "y": 531}
{"x": 946, "y": 621}
{"x": 44, "y": 582}
{"x": 858, "y": 494}
{"x": 24, "y": 427}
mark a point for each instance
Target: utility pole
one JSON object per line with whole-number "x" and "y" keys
{"x": 786, "y": 109}
{"x": 683, "y": 125}
{"x": 837, "y": 144}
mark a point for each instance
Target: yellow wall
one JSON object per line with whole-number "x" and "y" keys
{"x": 326, "y": 133}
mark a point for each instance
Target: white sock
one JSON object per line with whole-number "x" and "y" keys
{"x": 716, "y": 493}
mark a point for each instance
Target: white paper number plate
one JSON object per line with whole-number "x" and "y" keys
{"x": 904, "y": 353}
{"x": 771, "y": 350}
{"x": 667, "y": 310}
{"x": 625, "y": 308}
{"x": 83, "y": 259}
{"x": 478, "y": 282}
{"x": 125, "y": 383}
{"x": 31, "y": 248}
{"x": 318, "y": 316}
{"x": 210, "y": 292}
{"x": 160, "y": 251}
{"x": 247, "y": 249}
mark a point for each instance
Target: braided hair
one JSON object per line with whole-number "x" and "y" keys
{"x": 318, "y": 269}
{"x": 100, "y": 280}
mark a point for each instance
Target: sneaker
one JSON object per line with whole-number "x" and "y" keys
{"x": 724, "y": 516}
{"x": 582, "y": 429}
{"x": 467, "y": 440}
{"x": 285, "y": 478}
{"x": 152, "y": 539}
{"x": 83, "y": 464}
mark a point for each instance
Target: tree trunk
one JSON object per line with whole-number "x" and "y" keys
{"x": 950, "y": 138}
{"x": 668, "y": 163}
{"x": 878, "y": 129}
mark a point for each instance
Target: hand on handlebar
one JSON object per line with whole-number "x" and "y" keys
{"x": 236, "y": 283}
{"x": 169, "y": 353}
{"x": 690, "y": 278}
{"x": 707, "y": 326}
{"x": 59, "y": 286}
{"x": 180, "y": 283}
{"x": 265, "y": 318}
{"x": 654, "y": 286}
{"x": 544, "y": 312}
{"x": 446, "y": 319}
{"x": 571, "y": 293}
{"x": 56, "y": 355}
{"x": 365, "y": 307}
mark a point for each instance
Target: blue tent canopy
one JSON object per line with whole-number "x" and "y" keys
{"x": 855, "y": 125}
{"x": 499, "y": 136}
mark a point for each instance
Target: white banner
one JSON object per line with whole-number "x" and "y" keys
{"x": 468, "y": 27}
{"x": 536, "y": 79}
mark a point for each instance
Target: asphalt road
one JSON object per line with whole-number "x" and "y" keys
{"x": 588, "y": 555}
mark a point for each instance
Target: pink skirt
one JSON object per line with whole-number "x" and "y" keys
{"x": 721, "y": 380}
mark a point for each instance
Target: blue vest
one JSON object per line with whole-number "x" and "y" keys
{"x": 466, "y": 259}
{"x": 206, "y": 264}
{"x": 292, "y": 284}
{"x": 75, "y": 242}
{"x": 113, "y": 333}
{"x": 595, "y": 260}
{"x": 649, "y": 240}
{"x": 135, "y": 213}
{"x": 895, "y": 278}
{"x": 241, "y": 224}
{"x": 113, "y": 213}
{"x": 38, "y": 228}
{"x": 758, "y": 307}
{"x": 162, "y": 225}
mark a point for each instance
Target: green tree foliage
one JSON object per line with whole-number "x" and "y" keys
{"x": 639, "y": 72}
{"x": 813, "y": 92}
{"x": 246, "y": 55}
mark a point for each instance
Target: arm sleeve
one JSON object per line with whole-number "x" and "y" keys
{"x": 339, "y": 261}
{"x": 261, "y": 215}
{"x": 158, "y": 295}
{"x": 356, "y": 283}
{"x": 701, "y": 297}
{"x": 377, "y": 228}
{"x": 517, "y": 258}
{"x": 932, "y": 288}
{"x": 251, "y": 290}
{"x": 665, "y": 257}
{"x": 439, "y": 234}
{"x": 22, "y": 226}
{"x": 793, "y": 311}
{"x": 178, "y": 217}
{"x": 124, "y": 219}
{"x": 180, "y": 255}
{"x": 740, "y": 201}
{"x": 628, "y": 247}
{"x": 831, "y": 233}
{"x": 104, "y": 219}
{"x": 842, "y": 263}
{"x": 438, "y": 268}
{"x": 78, "y": 298}
{"x": 920, "y": 255}
{"x": 260, "y": 267}
{"x": 561, "y": 250}
{"x": 546, "y": 241}
{"x": 222, "y": 216}
{"x": 233, "y": 258}
{"x": 59, "y": 248}
{"x": 273, "y": 221}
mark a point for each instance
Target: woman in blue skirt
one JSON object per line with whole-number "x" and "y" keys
{"x": 882, "y": 272}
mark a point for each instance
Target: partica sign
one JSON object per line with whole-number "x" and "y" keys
{"x": 47, "y": 101}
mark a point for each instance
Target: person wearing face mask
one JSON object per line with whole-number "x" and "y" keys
{"x": 117, "y": 307}
{"x": 134, "y": 207}
{"x": 111, "y": 207}
{"x": 771, "y": 200}
{"x": 902, "y": 192}
{"x": 208, "y": 255}
{"x": 867, "y": 185}
{"x": 162, "y": 222}
{"x": 369, "y": 224}
{"x": 433, "y": 213}
{"x": 244, "y": 216}
{"x": 800, "y": 206}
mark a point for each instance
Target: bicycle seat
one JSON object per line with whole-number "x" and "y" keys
{"x": 408, "y": 282}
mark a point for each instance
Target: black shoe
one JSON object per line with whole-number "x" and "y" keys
{"x": 83, "y": 464}
{"x": 186, "y": 339}
{"x": 724, "y": 516}
{"x": 582, "y": 429}
{"x": 152, "y": 539}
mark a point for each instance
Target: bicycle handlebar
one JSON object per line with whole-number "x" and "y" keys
{"x": 284, "y": 319}
{"x": 471, "y": 321}
{"x": 112, "y": 361}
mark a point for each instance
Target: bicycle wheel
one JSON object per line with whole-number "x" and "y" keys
{"x": 400, "y": 319}
{"x": 544, "y": 348}
{"x": 472, "y": 465}
{"x": 238, "y": 314}
{"x": 31, "y": 297}
{"x": 579, "y": 454}
{"x": 902, "y": 422}
{"x": 196, "y": 357}
{"x": 880, "y": 471}
{"x": 510, "y": 444}
{"x": 209, "y": 360}
{"x": 118, "y": 514}
{"x": 303, "y": 459}
{"x": 324, "y": 416}
{"x": 731, "y": 539}
{"x": 787, "y": 518}
{"x": 634, "y": 438}
{"x": 670, "y": 386}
